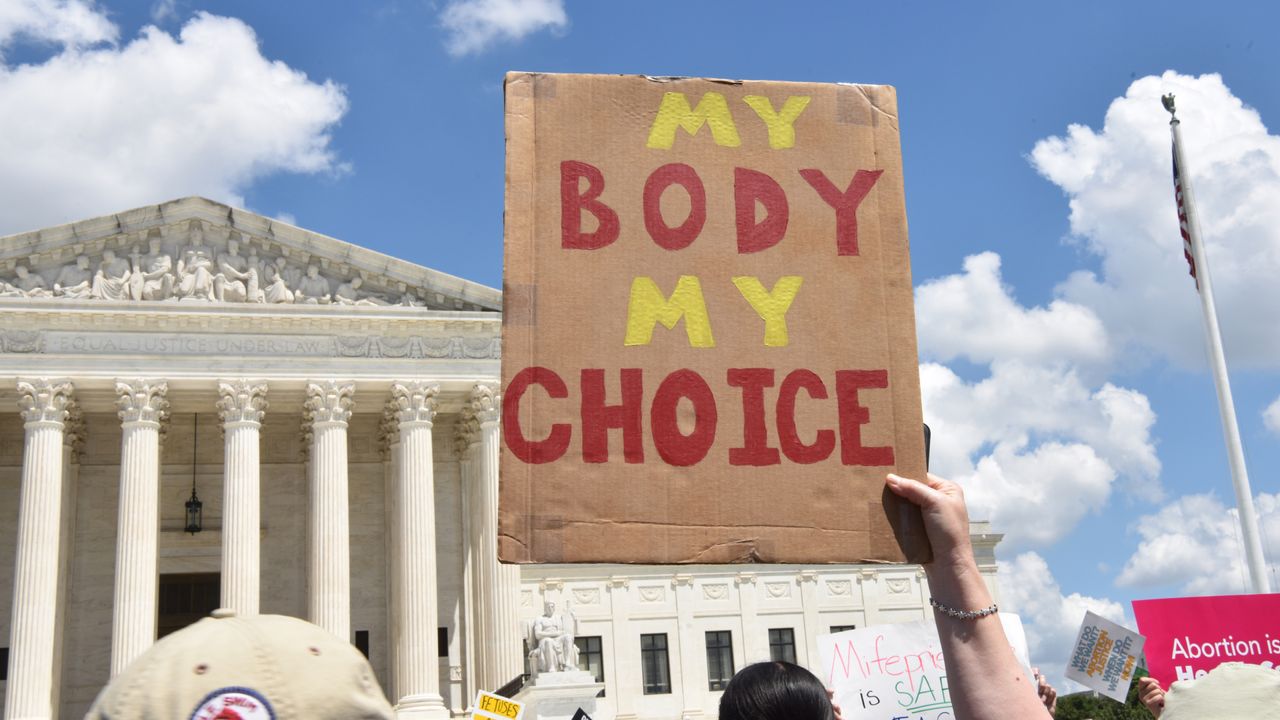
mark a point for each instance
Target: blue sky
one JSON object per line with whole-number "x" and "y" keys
{"x": 1060, "y": 336}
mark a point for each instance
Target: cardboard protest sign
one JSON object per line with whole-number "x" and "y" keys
{"x": 496, "y": 707}
{"x": 1105, "y": 656}
{"x": 887, "y": 672}
{"x": 1188, "y": 637}
{"x": 709, "y": 348}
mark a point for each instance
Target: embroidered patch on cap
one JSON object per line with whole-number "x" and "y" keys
{"x": 234, "y": 703}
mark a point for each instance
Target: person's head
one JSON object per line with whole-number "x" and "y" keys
{"x": 264, "y": 666}
{"x": 109, "y": 255}
{"x": 154, "y": 244}
{"x": 775, "y": 691}
{"x": 234, "y": 246}
{"x": 548, "y": 608}
{"x": 22, "y": 271}
{"x": 312, "y": 271}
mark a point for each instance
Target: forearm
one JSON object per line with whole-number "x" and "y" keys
{"x": 986, "y": 681}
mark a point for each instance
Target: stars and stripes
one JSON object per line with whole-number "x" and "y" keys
{"x": 1182, "y": 219}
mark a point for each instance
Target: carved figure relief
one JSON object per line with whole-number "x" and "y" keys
{"x": 192, "y": 263}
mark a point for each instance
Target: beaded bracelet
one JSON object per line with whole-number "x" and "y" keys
{"x": 963, "y": 614}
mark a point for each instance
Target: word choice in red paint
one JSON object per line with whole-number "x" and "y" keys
{"x": 597, "y": 417}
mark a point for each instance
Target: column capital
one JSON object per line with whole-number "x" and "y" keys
{"x": 328, "y": 401}
{"x": 486, "y": 404}
{"x": 415, "y": 401}
{"x": 142, "y": 401}
{"x": 241, "y": 401}
{"x": 44, "y": 400}
{"x": 466, "y": 432}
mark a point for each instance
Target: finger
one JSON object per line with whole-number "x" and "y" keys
{"x": 913, "y": 490}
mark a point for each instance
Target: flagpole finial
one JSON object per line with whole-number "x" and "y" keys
{"x": 1167, "y": 100}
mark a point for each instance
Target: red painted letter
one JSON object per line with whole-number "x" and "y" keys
{"x": 573, "y": 201}
{"x": 846, "y": 204}
{"x": 748, "y": 187}
{"x": 788, "y": 437}
{"x": 675, "y": 447}
{"x": 677, "y": 238}
{"x": 755, "y": 448}
{"x": 530, "y": 451}
{"x": 853, "y": 416}
{"x": 597, "y": 417}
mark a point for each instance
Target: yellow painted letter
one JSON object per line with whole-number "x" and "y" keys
{"x": 782, "y": 132}
{"x": 712, "y": 110}
{"x": 771, "y": 306}
{"x": 648, "y": 307}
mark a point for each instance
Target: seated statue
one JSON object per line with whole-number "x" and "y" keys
{"x": 237, "y": 280}
{"x": 553, "y": 646}
{"x": 74, "y": 280}
{"x": 313, "y": 289}
{"x": 275, "y": 289}
{"x": 111, "y": 282}
{"x": 31, "y": 284}
{"x": 195, "y": 269}
{"x": 152, "y": 273}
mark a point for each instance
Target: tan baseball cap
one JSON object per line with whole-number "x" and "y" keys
{"x": 266, "y": 667}
{"x": 1231, "y": 691}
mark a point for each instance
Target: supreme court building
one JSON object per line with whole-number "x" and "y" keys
{"x": 334, "y": 413}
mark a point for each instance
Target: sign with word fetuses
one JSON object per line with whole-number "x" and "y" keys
{"x": 496, "y": 707}
{"x": 709, "y": 348}
{"x": 1188, "y": 637}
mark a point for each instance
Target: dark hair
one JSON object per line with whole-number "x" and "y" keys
{"x": 775, "y": 691}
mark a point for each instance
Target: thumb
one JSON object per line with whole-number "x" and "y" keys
{"x": 913, "y": 490}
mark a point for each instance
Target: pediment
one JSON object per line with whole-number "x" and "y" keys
{"x": 197, "y": 250}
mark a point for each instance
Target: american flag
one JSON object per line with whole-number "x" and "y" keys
{"x": 1182, "y": 219}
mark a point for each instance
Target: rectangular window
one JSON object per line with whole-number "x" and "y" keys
{"x": 591, "y": 655}
{"x": 442, "y": 642}
{"x": 841, "y": 628}
{"x": 719, "y": 659}
{"x": 782, "y": 645}
{"x": 654, "y": 664}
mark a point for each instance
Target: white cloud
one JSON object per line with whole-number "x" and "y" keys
{"x": 974, "y": 316}
{"x": 203, "y": 113}
{"x": 1035, "y": 448}
{"x": 163, "y": 10}
{"x": 1194, "y": 543}
{"x": 1119, "y": 182}
{"x": 1051, "y": 619}
{"x": 1271, "y": 417}
{"x": 474, "y": 25}
{"x": 71, "y": 23}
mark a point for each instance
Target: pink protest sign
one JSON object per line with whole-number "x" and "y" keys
{"x": 1188, "y": 637}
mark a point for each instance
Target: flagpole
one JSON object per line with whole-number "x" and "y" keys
{"x": 1218, "y": 362}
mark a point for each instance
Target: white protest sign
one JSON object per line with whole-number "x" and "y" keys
{"x": 890, "y": 672}
{"x": 496, "y": 707}
{"x": 1105, "y": 657}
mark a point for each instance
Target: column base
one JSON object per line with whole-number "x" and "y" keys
{"x": 422, "y": 707}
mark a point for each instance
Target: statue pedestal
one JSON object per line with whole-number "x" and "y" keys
{"x": 558, "y": 695}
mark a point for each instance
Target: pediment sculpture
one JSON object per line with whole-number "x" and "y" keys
{"x": 195, "y": 264}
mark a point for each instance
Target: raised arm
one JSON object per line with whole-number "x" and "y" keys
{"x": 985, "y": 679}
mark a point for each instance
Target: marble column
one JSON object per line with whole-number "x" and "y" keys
{"x": 418, "y": 673}
{"x": 241, "y": 404}
{"x": 466, "y": 433}
{"x": 142, "y": 407}
{"x": 326, "y": 412}
{"x": 72, "y": 449}
{"x": 29, "y": 690}
{"x": 389, "y": 442}
{"x": 504, "y": 616}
